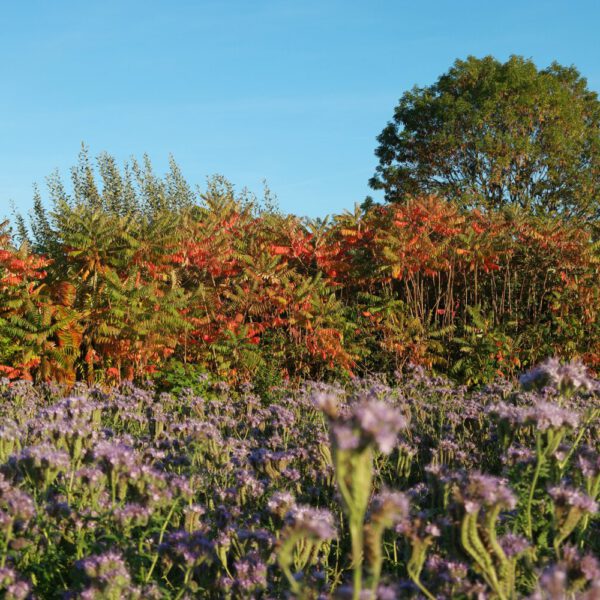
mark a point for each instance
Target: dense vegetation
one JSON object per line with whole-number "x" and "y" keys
{"x": 491, "y": 134}
{"x": 204, "y": 397}
{"x": 421, "y": 489}
{"x": 131, "y": 273}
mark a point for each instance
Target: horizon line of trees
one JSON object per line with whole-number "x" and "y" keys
{"x": 484, "y": 259}
{"x": 130, "y": 274}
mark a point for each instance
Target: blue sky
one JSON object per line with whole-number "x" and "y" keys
{"x": 293, "y": 92}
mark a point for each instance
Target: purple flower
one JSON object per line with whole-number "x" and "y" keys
{"x": 132, "y": 515}
{"x": 192, "y": 549}
{"x": 513, "y": 544}
{"x": 250, "y": 573}
{"x": 380, "y": 422}
{"x": 106, "y": 571}
{"x": 571, "y": 376}
{"x": 588, "y": 461}
{"x": 13, "y": 587}
{"x": 519, "y": 455}
{"x": 281, "y": 503}
{"x": 314, "y": 523}
{"x": 480, "y": 491}
{"x": 553, "y": 584}
{"x": 115, "y": 456}
{"x": 566, "y": 497}
{"x": 545, "y": 415}
{"x": 327, "y": 401}
{"x": 446, "y": 570}
{"x": 346, "y": 437}
{"x": 371, "y": 422}
{"x": 15, "y": 503}
{"x": 42, "y": 462}
{"x": 389, "y": 508}
{"x": 90, "y": 476}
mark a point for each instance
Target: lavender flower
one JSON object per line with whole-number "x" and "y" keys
{"x": 132, "y": 515}
{"x": 328, "y": 402}
{"x": 371, "y": 422}
{"x": 346, "y": 436}
{"x": 115, "y": 456}
{"x": 545, "y": 415}
{"x": 590, "y": 567}
{"x": 570, "y": 377}
{"x": 389, "y": 508}
{"x": 250, "y": 573}
{"x": 190, "y": 549}
{"x": 513, "y": 545}
{"x": 107, "y": 575}
{"x": 380, "y": 422}
{"x": 281, "y": 503}
{"x": 588, "y": 461}
{"x": 567, "y": 497}
{"x": 14, "y": 588}
{"x": 313, "y": 523}
{"x": 480, "y": 491}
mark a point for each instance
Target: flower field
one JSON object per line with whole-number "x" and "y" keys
{"x": 410, "y": 488}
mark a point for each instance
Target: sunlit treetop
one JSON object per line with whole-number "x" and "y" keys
{"x": 490, "y": 134}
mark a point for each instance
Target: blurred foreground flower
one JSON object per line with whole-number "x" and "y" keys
{"x": 369, "y": 424}
{"x": 565, "y": 378}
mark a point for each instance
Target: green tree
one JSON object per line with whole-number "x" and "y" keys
{"x": 488, "y": 134}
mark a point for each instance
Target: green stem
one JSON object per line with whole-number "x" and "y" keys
{"x": 356, "y": 535}
{"x": 536, "y": 476}
{"x": 163, "y": 529}
{"x": 7, "y": 539}
{"x": 415, "y": 566}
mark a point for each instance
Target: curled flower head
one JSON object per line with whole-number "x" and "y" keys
{"x": 41, "y": 463}
{"x": 590, "y": 567}
{"x": 553, "y": 583}
{"x": 346, "y": 436}
{"x": 13, "y": 587}
{"x": 15, "y": 504}
{"x": 90, "y": 476}
{"x": 556, "y": 581}
{"x": 281, "y": 503}
{"x": 314, "y": 523}
{"x": 380, "y": 422}
{"x": 481, "y": 491}
{"x": 566, "y": 497}
{"x": 327, "y": 401}
{"x": 250, "y": 573}
{"x": 567, "y": 378}
{"x": 521, "y": 455}
{"x": 369, "y": 423}
{"x": 513, "y": 544}
{"x": 192, "y": 549}
{"x": 115, "y": 456}
{"x": 106, "y": 570}
{"x": 132, "y": 515}
{"x": 588, "y": 462}
{"x": 389, "y": 508}
{"x": 546, "y": 415}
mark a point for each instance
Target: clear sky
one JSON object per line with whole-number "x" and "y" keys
{"x": 293, "y": 92}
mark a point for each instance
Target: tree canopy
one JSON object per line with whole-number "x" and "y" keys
{"x": 490, "y": 134}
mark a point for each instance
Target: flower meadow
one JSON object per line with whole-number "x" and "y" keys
{"x": 411, "y": 487}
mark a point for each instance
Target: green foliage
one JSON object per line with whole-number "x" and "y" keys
{"x": 175, "y": 377}
{"x": 491, "y": 134}
{"x": 483, "y": 349}
{"x": 128, "y": 269}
